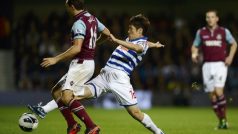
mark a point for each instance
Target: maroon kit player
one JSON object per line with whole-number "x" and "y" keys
{"x": 213, "y": 40}
{"x": 84, "y": 36}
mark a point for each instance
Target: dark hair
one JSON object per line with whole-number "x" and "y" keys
{"x": 140, "y": 21}
{"x": 213, "y": 10}
{"x": 78, "y": 4}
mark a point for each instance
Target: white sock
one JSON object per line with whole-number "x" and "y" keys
{"x": 50, "y": 106}
{"x": 149, "y": 124}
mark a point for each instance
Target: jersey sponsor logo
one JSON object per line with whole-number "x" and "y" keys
{"x": 123, "y": 48}
{"x": 205, "y": 36}
{"x": 216, "y": 43}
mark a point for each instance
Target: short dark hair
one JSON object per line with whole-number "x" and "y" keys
{"x": 140, "y": 21}
{"x": 78, "y": 4}
{"x": 213, "y": 10}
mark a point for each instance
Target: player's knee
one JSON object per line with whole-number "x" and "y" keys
{"x": 67, "y": 96}
{"x": 56, "y": 93}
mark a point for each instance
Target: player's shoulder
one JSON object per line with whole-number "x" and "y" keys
{"x": 78, "y": 23}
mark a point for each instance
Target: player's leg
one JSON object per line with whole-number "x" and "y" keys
{"x": 77, "y": 75}
{"x": 121, "y": 87}
{"x": 208, "y": 73}
{"x": 219, "y": 84}
{"x": 221, "y": 102}
{"x": 79, "y": 110}
{"x": 40, "y": 110}
{"x": 143, "y": 118}
{"x": 214, "y": 102}
{"x": 73, "y": 126}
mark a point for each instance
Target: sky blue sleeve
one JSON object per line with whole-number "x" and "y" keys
{"x": 78, "y": 29}
{"x": 197, "y": 40}
{"x": 101, "y": 27}
{"x": 229, "y": 38}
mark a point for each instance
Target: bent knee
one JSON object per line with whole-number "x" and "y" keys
{"x": 56, "y": 93}
{"x": 67, "y": 96}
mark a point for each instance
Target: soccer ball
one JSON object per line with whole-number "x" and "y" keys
{"x": 28, "y": 122}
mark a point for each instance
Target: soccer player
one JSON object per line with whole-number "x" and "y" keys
{"x": 115, "y": 76}
{"x": 84, "y": 35}
{"x": 213, "y": 40}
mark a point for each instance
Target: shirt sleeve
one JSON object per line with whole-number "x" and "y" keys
{"x": 78, "y": 30}
{"x": 229, "y": 38}
{"x": 144, "y": 45}
{"x": 101, "y": 27}
{"x": 197, "y": 40}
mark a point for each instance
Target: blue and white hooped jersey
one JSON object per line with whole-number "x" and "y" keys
{"x": 125, "y": 59}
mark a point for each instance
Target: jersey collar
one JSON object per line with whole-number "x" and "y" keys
{"x": 79, "y": 14}
{"x": 144, "y": 38}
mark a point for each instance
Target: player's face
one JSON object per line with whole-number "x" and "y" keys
{"x": 211, "y": 19}
{"x": 133, "y": 33}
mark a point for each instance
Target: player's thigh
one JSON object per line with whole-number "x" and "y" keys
{"x": 208, "y": 77}
{"x": 123, "y": 91}
{"x": 87, "y": 93}
{"x": 92, "y": 89}
{"x": 78, "y": 74}
{"x": 221, "y": 75}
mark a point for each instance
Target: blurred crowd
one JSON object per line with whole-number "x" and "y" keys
{"x": 168, "y": 69}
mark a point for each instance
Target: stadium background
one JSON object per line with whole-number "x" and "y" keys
{"x": 31, "y": 30}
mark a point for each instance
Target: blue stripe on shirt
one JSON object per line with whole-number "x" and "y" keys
{"x": 114, "y": 63}
{"x": 127, "y": 57}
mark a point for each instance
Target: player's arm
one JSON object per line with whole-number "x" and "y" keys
{"x": 79, "y": 31}
{"x": 154, "y": 45}
{"x": 128, "y": 45}
{"x": 194, "y": 48}
{"x": 194, "y": 52}
{"x": 104, "y": 35}
{"x": 68, "y": 54}
{"x": 230, "y": 39}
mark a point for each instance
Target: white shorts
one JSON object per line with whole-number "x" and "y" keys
{"x": 116, "y": 82}
{"x": 214, "y": 75}
{"x": 77, "y": 75}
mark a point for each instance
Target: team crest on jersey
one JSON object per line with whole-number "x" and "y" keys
{"x": 91, "y": 19}
{"x": 219, "y": 37}
{"x": 71, "y": 83}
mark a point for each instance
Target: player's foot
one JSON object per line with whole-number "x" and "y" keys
{"x": 223, "y": 124}
{"x": 94, "y": 130}
{"x": 38, "y": 110}
{"x": 74, "y": 129}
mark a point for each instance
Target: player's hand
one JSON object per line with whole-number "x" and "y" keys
{"x": 48, "y": 62}
{"x": 158, "y": 45}
{"x": 195, "y": 58}
{"x": 228, "y": 61}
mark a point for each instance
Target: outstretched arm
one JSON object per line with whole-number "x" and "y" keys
{"x": 71, "y": 52}
{"x": 128, "y": 45}
{"x": 154, "y": 45}
{"x": 104, "y": 35}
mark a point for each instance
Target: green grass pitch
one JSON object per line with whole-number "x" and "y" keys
{"x": 171, "y": 120}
